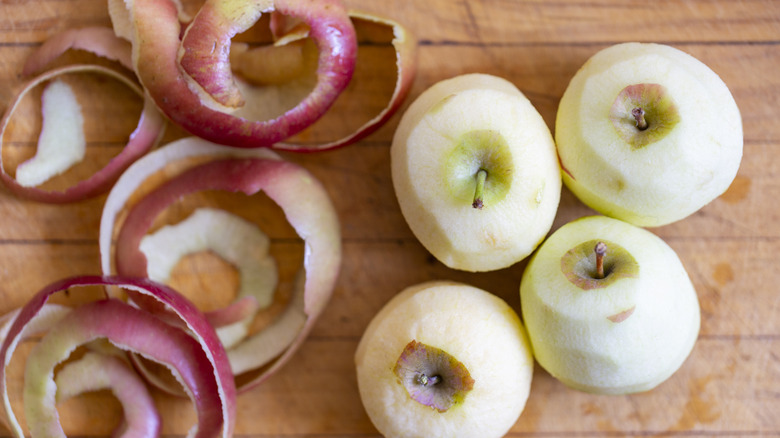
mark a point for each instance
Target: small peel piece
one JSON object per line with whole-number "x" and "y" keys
{"x": 302, "y": 198}
{"x": 95, "y": 372}
{"x": 150, "y": 127}
{"x": 61, "y": 143}
{"x": 195, "y": 353}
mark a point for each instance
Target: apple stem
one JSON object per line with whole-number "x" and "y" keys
{"x": 426, "y": 381}
{"x": 481, "y": 177}
{"x": 601, "y": 251}
{"x": 639, "y": 116}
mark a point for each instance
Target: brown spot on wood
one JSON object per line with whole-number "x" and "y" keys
{"x": 723, "y": 274}
{"x": 622, "y": 316}
{"x": 605, "y": 425}
{"x": 697, "y": 410}
{"x": 738, "y": 190}
{"x": 603, "y": 419}
{"x": 590, "y": 408}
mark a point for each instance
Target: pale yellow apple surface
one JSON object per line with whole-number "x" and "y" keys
{"x": 461, "y": 236}
{"x": 478, "y": 329}
{"x": 668, "y": 179}
{"x": 625, "y": 337}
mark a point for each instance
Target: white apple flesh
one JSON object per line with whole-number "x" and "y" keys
{"x": 687, "y": 154}
{"x": 475, "y": 172}
{"x": 477, "y": 331}
{"x": 623, "y": 333}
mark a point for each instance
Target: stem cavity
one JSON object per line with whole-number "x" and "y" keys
{"x": 639, "y": 116}
{"x": 481, "y": 177}
{"x": 601, "y": 251}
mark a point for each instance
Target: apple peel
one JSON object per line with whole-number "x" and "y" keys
{"x": 101, "y": 41}
{"x": 232, "y": 238}
{"x": 61, "y": 143}
{"x": 191, "y": 80}
{"x": 94, "y": 372}
{"x": 156, "y": 47}
{"x": 194, "y": 355}
{"x": 150, "y": 127}
{"x": 406, "y": 64}
{"x": 304, "y": 201}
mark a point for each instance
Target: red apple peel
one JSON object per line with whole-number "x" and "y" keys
{"x": 101, "y": 41}
{"x": 196, "y": 354}
{"x": 304, "y": 201}
{"x": 156, "y": 45}
{"x": 149, "y": 129}
{"x": 94, "y": 372}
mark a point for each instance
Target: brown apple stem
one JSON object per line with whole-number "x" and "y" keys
{"x": 639, "y": 116}
{"x": 481, "y": 177}
{"x": 601, "y": 251}
{"x": 426, "y": 381}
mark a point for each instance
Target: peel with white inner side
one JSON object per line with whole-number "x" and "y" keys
{"x": 185, "y": 68}
{"x": 95, "y": 372}
{"x": 303, "y": 200}
{"x": 61, "y": 143}
{"x": 150, "y": 128}
{"x": 232, "y": 238}
{"x": 198, "y": 46}
{"x": 189, "y": 348}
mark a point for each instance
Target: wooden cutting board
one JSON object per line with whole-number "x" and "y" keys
{"x": 729, "y": 386}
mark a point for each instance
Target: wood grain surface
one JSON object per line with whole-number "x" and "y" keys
{"x": 729, "y": 386}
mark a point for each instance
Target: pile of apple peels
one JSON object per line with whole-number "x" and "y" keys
{"x": 240, "y": 102}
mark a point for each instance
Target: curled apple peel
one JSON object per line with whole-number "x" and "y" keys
{"x": 101, "y": 41}
{"x": 233, "y": 239}
{"x": 61, "y": 143}
{"x": 405, "y": 46}
{"x": 193, "y": 93}
{"x": 194, "y": 355}
{"x": 188, "y": 67}
{"x": 149, "y": 129}
{"x": 94, "y": 372}
{"x": 303, "y": 200}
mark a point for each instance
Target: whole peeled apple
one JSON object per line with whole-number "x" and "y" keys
{"x": 609, "y": 307}
{"x": 648, "y": 134}
{"x": 475, "y": 172}
{"x": 444, "y": 359}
